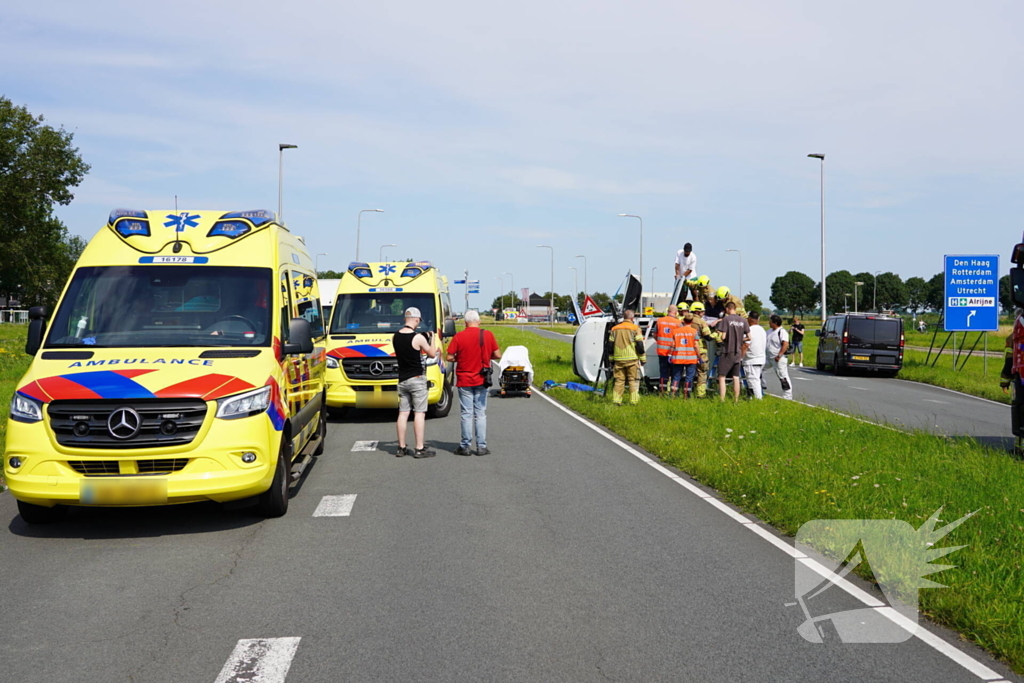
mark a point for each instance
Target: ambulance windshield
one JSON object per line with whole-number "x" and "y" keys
{"x": 155, "y": 305}
{"x": 375, "y": 313}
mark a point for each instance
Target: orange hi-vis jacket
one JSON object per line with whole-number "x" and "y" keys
{"x": 684, "y": 346}
{"x": 667, "y": 326}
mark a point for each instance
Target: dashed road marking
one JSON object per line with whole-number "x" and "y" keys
{"x": 962, "y": 658}
{"x": 335, "y": 506}
{"x": 259, "y": 660}
{"x": 935, "y": 400}
{"x": 364, "y": 446}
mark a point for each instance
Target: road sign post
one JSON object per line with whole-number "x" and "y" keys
{"x": 971, "y": 293}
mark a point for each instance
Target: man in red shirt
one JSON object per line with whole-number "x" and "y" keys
{"x": 472, "y": 351}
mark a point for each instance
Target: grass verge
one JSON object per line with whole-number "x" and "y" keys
{"x": 13, "y": 364}
{"x": 790, "y": 464}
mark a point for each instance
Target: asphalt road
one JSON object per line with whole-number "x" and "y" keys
{"x": 900, "y": 403}
{"x": 559, "y": 557}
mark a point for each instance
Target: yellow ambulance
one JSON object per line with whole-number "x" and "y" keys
{"x": 185, "y": 362}
{"x": 362, "y": 371}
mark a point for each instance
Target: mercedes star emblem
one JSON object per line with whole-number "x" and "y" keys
{"x": 124, "y": 423}
{"x": 376, "y": 368}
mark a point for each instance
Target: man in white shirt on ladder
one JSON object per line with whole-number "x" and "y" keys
{"x": 686, "y": 262}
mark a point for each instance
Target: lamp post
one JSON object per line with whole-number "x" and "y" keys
{"x": 280, "y": 179}
{"x": 856, "y": 305}
{"x": 380, "y": 253}
{"x": 584, "y": 272}
{"x": 316, "y": 262}
{"x": 741, "y": 270}
{"x": 874, "y": 295}
{"x": 630, "y": 215}
{"x": 359, "y": 221}
{"x": 502, "y": 281}
{"x": 575, "y": 283}
{"x": 512, "y": 285}
{"x": 846, "y": 302}
{"x": 824, "y": 314}
{"x": 551, "y": 299}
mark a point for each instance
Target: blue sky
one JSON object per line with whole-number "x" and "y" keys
{"x": 484, "y": 130}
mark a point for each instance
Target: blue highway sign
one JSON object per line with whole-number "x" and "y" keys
{"x": 972, "y": 293}
{"x": 458, "y": 282}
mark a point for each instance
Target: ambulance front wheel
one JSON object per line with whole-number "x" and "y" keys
{"x": 39, "y": 514}
{"x": 444, "y": 406}
{"x": 274, "y": 501}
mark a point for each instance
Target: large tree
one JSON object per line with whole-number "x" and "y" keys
{"x": 838, "y": 284}
{"x": 39, "y": 166}
{"x": 510, "y": 300}
{"x": 752, "y": 302}
{"x": 917, "y": 293}
{"x": 794, "y": 292}
{"x": 936, "y": 292}
{"x": 892, "y": 292}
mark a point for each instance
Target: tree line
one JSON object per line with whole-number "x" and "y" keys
{"x": 39, "y": 166}
{"x": 798, "y": 293}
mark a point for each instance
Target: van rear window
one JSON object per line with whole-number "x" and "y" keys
{"x": 868, "y": 331}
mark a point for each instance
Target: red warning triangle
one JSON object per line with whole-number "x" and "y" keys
{"x": 590, "y": 307}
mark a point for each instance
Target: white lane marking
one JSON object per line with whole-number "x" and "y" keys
{"x": 954, "y": 391}
{"x": 935, "y": 400}
{"x": 929, "y": 638}
{"x": 836, "y": 412}
{"x": 364, "y": 446}
{"x": 803, "y": 379}
{"x": 259, "y": 660}
{"x": 860, "y": 388}
{"x": 335, "y": 506}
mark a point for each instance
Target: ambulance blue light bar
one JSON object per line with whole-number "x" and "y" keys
{"x": 125, "y": 213}
{"x": 232, "y": 229}
{"x": 360, "y": 269}
{"x": 257, "y": 217}
{"x": 417, "y": 268}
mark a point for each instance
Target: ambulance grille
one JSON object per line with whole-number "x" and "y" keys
{"x": 363, "y": 368}
{"x": 95, "y": 466}
{"x": 165, "y": 422}
{"x": 98, "y": 467}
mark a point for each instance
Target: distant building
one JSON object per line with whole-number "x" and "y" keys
{"x": 537, "y": 306}
{"x": 658, "y": 300}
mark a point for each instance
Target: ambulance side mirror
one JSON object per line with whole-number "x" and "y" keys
{"x": 300, "y": 336}
{"x": 1017, "y": 286}
{"x": 448, "y": 331}
{"x": 817, "y": 333}
{"x": 36, "y": 329}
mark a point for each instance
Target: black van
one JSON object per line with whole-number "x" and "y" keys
{"x": 859, "y": 341}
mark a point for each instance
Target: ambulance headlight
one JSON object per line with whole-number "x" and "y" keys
{"x": 244, "y": 405}
{"x": 332, "y": 363}
{"x": 25, "y": 409}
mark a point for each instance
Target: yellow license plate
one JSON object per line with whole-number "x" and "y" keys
{"x": 123, "y": 491}
{"x": 862, "y": 357}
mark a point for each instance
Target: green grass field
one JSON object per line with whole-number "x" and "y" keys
{"x": 789, "y": 463}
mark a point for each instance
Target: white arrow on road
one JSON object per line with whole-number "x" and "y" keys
{"x": 969, "y": 317}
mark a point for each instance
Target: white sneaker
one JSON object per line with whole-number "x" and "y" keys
{"x": 801, "y": 365}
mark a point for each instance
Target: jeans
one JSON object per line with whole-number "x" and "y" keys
{"x": 473, "y": 406}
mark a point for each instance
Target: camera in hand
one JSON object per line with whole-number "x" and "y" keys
{"x": 486, "y": 374}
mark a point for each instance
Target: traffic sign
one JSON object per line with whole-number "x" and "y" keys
{"x": 972, "y": 293}
{"x": 474, "y": 291}
{"x": 458, "y": 282}
{"x": 590, "y": 307}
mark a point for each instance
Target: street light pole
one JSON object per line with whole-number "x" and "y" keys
{"x": 551, "y": 299}
{"x": 502, "y": 281}
{"x": 824, "y": 314}
{"x": 316, "y": 262}
{"x": 874, "y": 296}
{"x": 653, "y": 268}
{"x": 359, "y": 222}
{"x": 741, "y": 270}
{"x": 856, "y": 305}
{"x": 280, "y": 180}
{"x": 587, "y": 291}
{"x": 380, "y": 253}
{"x": 846, "y": 302}
{"x": 630, "y": 215}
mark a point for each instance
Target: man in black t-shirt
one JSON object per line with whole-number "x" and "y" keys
{"x": 736, "y": 331}
{"x": 796, "y": 336}
{"x": 412, "y": 385}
